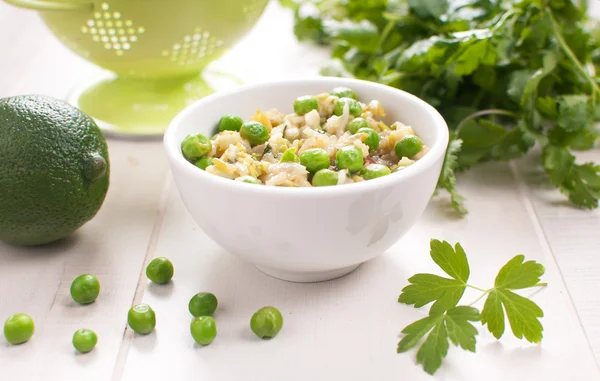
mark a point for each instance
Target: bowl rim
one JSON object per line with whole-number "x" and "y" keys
{"x": 173, "y": 147}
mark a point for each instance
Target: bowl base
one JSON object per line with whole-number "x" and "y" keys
{"x": 307, "y": 276}
{"x": 137, "y": 108}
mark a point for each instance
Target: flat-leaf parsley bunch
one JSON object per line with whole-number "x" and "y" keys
{"x": 450, "y": 322}
{"x": 505, "y": 74}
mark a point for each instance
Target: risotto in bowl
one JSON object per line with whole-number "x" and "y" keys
{"x": 307, "y": 179}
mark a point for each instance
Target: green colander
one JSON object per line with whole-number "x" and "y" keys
{"x": 156, "y": 48}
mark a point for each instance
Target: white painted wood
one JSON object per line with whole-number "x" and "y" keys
{"x": 574, "y": 236}
{"x": 346, "y": 327}
{"x": 112, "y": 246}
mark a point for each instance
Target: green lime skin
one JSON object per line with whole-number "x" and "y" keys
{"x": 324, "y": 178}
{"x": 203, "y": 304}
{"x": 142, "y": 319}
{"x": 354, "y": 107}
{"x": 343, "y": 92}
{"x": 266, "y": 322}
{"x": 373, "y": 171}
{"x": 85, "y": 289}
{"x": 203, "y": 329}
{"x": 18, "y": 328}
{"x": 314, "y": 159}
{"x": 409, "y": 146}
{"x": 255, "y": 133}
{"x": 204, "y": 162}
{"x": 195, "y": 146}
{"x": 54, "y": 169}
{"x": 230, "y": 123}
{"x": 289, "y": 156}
{"x": 305, "y": 104}
{"x": 350, "y": 158}
{"x": 356, "y": 124}
{"x": 372, "y": 139}
{"x": 160, "y": 270}
{"x": 84, "y": 340}
{"x": 248, "y": 179}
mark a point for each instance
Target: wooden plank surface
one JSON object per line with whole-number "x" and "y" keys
{"x": 347, "y": 329}
{"x": 526, "y": 218}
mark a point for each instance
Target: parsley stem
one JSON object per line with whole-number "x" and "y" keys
{"x": 484, "y": 113}
{"x": 485, "y": 292}
{"x": 541, "y": 284}
{"x": 477, "y": 288}
{"x": 570, "y": 55}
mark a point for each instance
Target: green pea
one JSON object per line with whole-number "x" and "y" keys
{"x": 203, "y": 329}
{"x": 142, "y": 319}
{"x": 204, "y": 162}
{"x": 160, "y": 270}
{"x": 305, "y": 104}
{"x": 255, "y": 133}
{"x": 314, "y": 159}
{"x": 84, "y": 340}
{"x": 409, "y": 146}
{"x": 203, "y": 304}
{"x": 195, "y": 146}
{"x": 354, "y": 107}
{"x": 343, "y": 92}
{"x": 372, "y": 139}
{"x": 289, "y": 156}
{"x": 85, "y": 289}
{"x": 18, "y": 328}
{"x": 373, "y": 171}
{"x": 230, "y": 123}
{"x": 248, "y": 179}
{"x": 356, "y": 124}
{"x": 325, "y": 177}
{"x": 350, "y": 158}
{"x": 266, "y": 322}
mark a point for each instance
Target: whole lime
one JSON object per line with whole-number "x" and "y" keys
{"x": 54, "y": 169}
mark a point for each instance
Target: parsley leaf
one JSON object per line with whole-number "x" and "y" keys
{"x": 453, "y": 324}
{"x": 447, "y": 178}
{"x": 534, "y": 59}
{"x": 448, "y": 321}
{"x": 574, "y": 112}
{"x": 579, "y": 182}
{"x": 444, "y": 292}
{"x": 480, "y": 52}
{"x": 523, "y": 314}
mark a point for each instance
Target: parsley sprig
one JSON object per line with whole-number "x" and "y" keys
{"x": 506, "y": 75}
{"x": 448, "y": 321}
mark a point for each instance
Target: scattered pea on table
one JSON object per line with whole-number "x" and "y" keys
{"x": 18, "y": 328}
{"x": 85, "y": 289}
{"x": 266, "y": 322}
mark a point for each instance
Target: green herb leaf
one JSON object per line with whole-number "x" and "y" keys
{"x": 428, "y": 8}
{"x": 550, "y": 62}
{"x": 574, "y": 112}
{"x": 523, "y": 314}
{"x": 447, "y": 178}
{"x": 447, "y": 321}
{"x": 536, "y": 60}
{"x": 454, "y": 324}
{"x": 362, "y": 35}
{"x": 445, "y": 293}
{"x": 481, "y": 52}
{"x": 581, "y": 183}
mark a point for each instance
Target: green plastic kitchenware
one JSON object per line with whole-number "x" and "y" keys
{"x": 156, "y": 48}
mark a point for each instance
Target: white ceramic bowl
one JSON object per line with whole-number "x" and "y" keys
{"x": 306, "y": 234}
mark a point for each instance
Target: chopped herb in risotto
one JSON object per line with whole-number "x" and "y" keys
{"x": 329, "y": 139}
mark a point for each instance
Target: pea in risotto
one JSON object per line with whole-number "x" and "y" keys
{"x": 330, "y": 139}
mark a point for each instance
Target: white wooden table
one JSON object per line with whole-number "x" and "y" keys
{"x": 344, "y": 329}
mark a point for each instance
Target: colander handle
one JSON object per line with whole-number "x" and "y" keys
{"x": 43, "y": 5}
